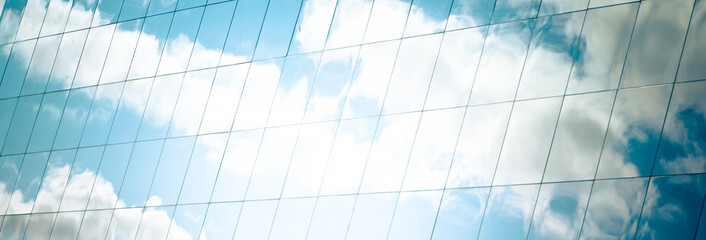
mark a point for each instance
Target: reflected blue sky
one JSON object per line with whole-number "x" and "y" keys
{"x": 352, "y": 119}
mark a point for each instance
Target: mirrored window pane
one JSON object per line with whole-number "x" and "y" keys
{"x": 159, "y": 108}
{"x": 154, "y": 223}
{"x": 681, "y": 148}
{"x": 129, "y": 111}
{"x": 559, "y": 210}
{"x": 27, "y": 185}
{"x": 460, "y": 213}
{"x": 664, "y": 24}
{"x": 76, "y": 110}
{"x": 427, "y": 16}
{"x": 508, "y": 212}
{"x": 169, "y": 176}
{"x": 349, "y": 155}
{"x": 122, "y": 49}
{"x": 312, "y": 27}
{"x": 578, "y": 140}
{"x": 469, "y": 13}
{"x": 501, "y": 63}
{"x": 293, "y": 90}
{"x": 633, "y": 132}
{"x": 349, "y": 23}
{"x": 66, "y": 225}
{"x": 187, "y": 221}
{"x": 67, "y": 60}
{"x": 508, "y": 10}
{"x": 21, "y": 124}
{"x": 94, "y": 224}
{"x": 244, "y": 31}
{"x": 237, "y": 164}
{"x": 309, "y": 159}
{"x": 387, "y": 20}
{"x": 31, "y": 22}
{"x": 277, "y": 28}
{"x": 372, "y": 216}
{"x": 614, "y": 208}
{"x": 331, "y": 86}
{"x": 220, "y": 220}
{"x": 55, "y": 18}
{"x": 255, "y": 220}
{"x": 270, "y": 169}
{"x": 550, "y": 7}
{"x": 412, "y": 73}
{"x": 106, "y": 12}
{"x": 692, "y": 59}
{"x": 527, "y": 141}
{"x": 455, "y": 68}
{"x": 41, "y": 65}
{"x": 433, "y": 149}
{"x": 16, "y": 69}
{"x": 47, "y": 121}
{"x": 193, "y": 97}
{"x": 14, "y": 226}
{"x": 224, "y": 98}
{"x": 672, "y": 207}
{"x": 39, "y": 226}
{"x": 259, "y": 92}
{"x": 100, "y": 117}
{"x": 602, "y": 48}
{"x": 331, "y": 217}
{"x": 124, "y": 223}
{"x": 179, "y": 44}
{"x": 203, "y": 167}
{"x": 370, "y": 79}
{"x": 292, "y": 218}
{"x": 82, "y": 179}
{"x": 56, "y": 177}
{"x": 150, "y": 46}
{"x": 140, "y": 171}
{"x": 93, "y": 57}
{"x": 415, "y": 215}
{"x": 109, "y": 177}
{"x": 479, "y": 145}
{"x": 212, "y": 35}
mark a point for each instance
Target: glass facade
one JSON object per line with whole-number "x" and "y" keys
{"x": 352, "y": 119}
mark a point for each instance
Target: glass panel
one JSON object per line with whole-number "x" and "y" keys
{"x": 508, "y": 212}
{"x": 309, "y": 159}
{"x": 663, "y": 24}
{"x": 140, "y": 171}
{"x": 5, "y": 51}
{"x": 312, "y": 27}
{"x": 11, "y": 19}
{"x": 427, "y": 16}
{"x": 157, "y": 7}
{"x": 260, "y": 88}
{"x": 27, "y": 186}
{"x": 413, "y": 70}
{"x": 331, "y": 86}
{"x": 579, "y": 137}
{"x": 191, "y": 104}
{"x": 681, "y": 149}
{"x": 331, "y": 217}
{"x": 433, "y": 149}
{"x": 469, "y": 13}
{"x": 106, "y": 13}
{"x": 203, "y": 167}
{"x": 672, "y": 207}
{"x": 701, "y": 232}
{"x": 237, "y": 165}
{"x": 387, "y": 20}
{"x": 95, "y": 224}
{"x": 501, "y": 64}
{"x": 101, "y": 115}
{"x": 190, "y": 3}
{"x": 212, "y": 35}
{"x": 455, "y": 66}
{"x": 41, "y": 65}
{"x": 74, "y": 118}
{"x": 130, "y": 109}
{"x": 527, "y": 141}
{"x": 224, "y": 98}
{"x": 277, "y": 28}
{"x": 372, "y": 216}
{"x": 169, "y": 176}
{"x": 93, "y": 56}
{"x": 56, "y": 177}
{"x": 348, "y": 156}
{"x": 187, "y": 221}
{"x": 602, "y": 48}
{"x": 633, "y": 132}
{"x": 244, "y": 31}
{"x": 67, "y": 60}
{"x": 160, "y": 107}
{"x": 39, "y": 226}
{"x": 6, "y": 106}
{"x": 155, "y": 222}
{"x": 270, "y": 169}
{"x": 553, "y": 47}
{"x": 349, "y": 23}
{"x": 460, "y": 213}
{"x": 509, "y": 10}
{"x": 220, "y": 221}
{"x": 10, "y": 168}
{"x": 693, "y": 55}
{"x": 21, "y": 124}
{"x": 479, "y": 145}
{"x": 559, "y": 210}
{"x": 293, "y": 90}
{"x": 66, "y": 225}
{"x": 14, "y": 226}
{"x": 370, "y": 79}
{"x": 551, "y": 7}
{"x": 124, "y": 223}
{"x": 81, "y": 15}
{"x": 180, "y": 43}
{"x": 415, "y": 215}
{"x": 82, "y": 179}
{"x": 110, "y": 176}
{"x": 150, "y": 45}
{"x": 47, "y": 121}
{"x": 133, "y": 9}
{"x": 614, "y": 209}
{"x": 600, "y": 3}
{"x": 122, "y": 49}
{"x": 255, "y": 220}
{"x": 56, "y": 17}
{"x": 390, "y": 152}
{"x": 292, "y": 218}
{"x": 16, "y": 69}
